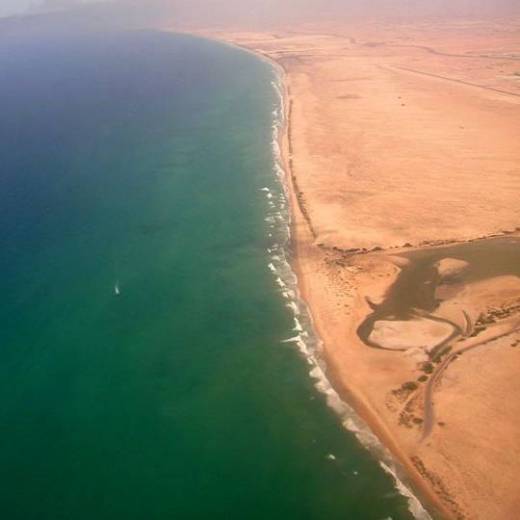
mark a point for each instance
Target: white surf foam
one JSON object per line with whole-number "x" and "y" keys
{"x": 294, "y": 307}
{"x": 415, "y": 506}
{"x": 294, "y": 339}
{"x": 280, "y": 282}
{"x": 306, "y": 340}
{"x": 330, "y": 456}
{"x": 297, "y": 325}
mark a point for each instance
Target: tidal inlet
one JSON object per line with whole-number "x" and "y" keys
{"x": 260, "y": 260}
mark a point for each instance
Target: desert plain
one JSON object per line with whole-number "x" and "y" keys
{"x": 402, "y": 151}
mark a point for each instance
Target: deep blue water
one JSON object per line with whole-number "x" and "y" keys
{"x": 135, "y": 159}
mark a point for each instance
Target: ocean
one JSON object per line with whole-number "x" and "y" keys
{"x": 143, "y": 237}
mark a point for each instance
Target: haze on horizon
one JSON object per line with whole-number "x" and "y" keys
{"x": 23, "y": 7}
{"x": 14, "y": 7}
{"x": 211, "y": 9}
{"x": 259, "y": 13}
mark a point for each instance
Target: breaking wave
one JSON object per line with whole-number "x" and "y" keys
{"x": 305, "y": 339}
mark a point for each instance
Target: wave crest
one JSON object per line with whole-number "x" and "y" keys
{"x": 306, "y": 340}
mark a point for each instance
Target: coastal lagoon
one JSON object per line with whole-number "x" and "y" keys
{"x": 143, "y": 368}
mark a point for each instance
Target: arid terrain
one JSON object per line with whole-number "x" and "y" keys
{"x": 403, "y": 157}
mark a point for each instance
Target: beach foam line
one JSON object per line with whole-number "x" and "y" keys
{"x": 415, "y": 506}
{"x": 294, "y": 307}
{"x": 290, "y": 294}
{"x": 299, "y": 342}
{"x": 307, "y": 342}
{"x": 294, "y": 339}
{"x": 280, "y": 282}
{"x": 297, "y": 325}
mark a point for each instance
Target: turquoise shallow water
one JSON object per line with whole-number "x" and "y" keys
{"x": 136, "y": 160}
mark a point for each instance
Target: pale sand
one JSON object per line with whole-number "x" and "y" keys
{"x": 448, "y": 267}
{"x": 410, "y": 334}
{"x": 408, "y": 137}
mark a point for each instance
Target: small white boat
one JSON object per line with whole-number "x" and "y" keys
{"x": 117, "y": 292}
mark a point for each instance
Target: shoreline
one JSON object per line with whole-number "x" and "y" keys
{"x": 301, "y": 235}
{"x": 349, "y": 247}
{"x": 421, "y": 498}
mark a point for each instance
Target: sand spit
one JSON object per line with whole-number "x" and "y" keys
{"x": 403, "y": 166}
{"x": 450, "y": 267}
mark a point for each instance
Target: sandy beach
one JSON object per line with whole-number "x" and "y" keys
{"x": 403, "y": 163}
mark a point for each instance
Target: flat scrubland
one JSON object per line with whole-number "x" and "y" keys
{"x": 404, "y": 140}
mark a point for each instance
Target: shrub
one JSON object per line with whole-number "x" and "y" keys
{"x": 427, "y": 368}
{"x": 410, "y": 386}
